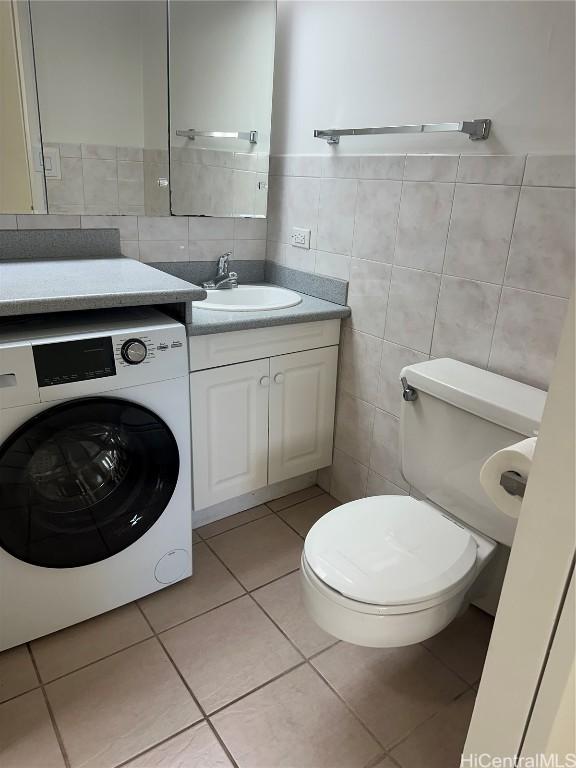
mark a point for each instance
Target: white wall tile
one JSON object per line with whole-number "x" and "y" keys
{"x": 292, "y": 202}
{"x": 47, "y": 221}
{"x": 163, "y": 250}
{"x": 99, "y": 151}
{"x": 385, "y": 450}
{"x": 100, "y": 186}
{"x": 131, "y": 154}
{"x": 379, "y": 486}
{"x": 431, "y": 167}
{"x": 249, "y": 249}
{"x": 275, "y": 252}
{"x": 549, "y": 171}
{"x": 394, "y": 358}
{"x": 360, "y": 364}
{"x": 491, "y": 169}
{"x": 480, "y": 231}
{"x": 542, "y": 250}
{"x": 209, "y": 250}
{"x": 412, "y": 308}
{"x": 130, "y": 249}
{"x": 353, "y": 433}
{"x": 526, "y": 338}
{"x": 376, "y": 220}
{"x": 465, "y": 320}
{"x": 128, "y": 225}
{"x": 368, "y": 295}
{"x": 206, "y": 228}
{"x": 250, "y": 229}
{"x": 296, "y": 165}
{"x": 333, "y": 265}
{"x": 423, "y": 224}
{"x": 299, "y": 258}
{"x": 349, "y": 478}
{"x": 7, "y": 221}
{"x": 336, "y": 215}
{"x": 162, "y": 228}
{"x": 364, "y": 167}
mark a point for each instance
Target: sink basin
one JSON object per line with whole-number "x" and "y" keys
{"x": 249, "y": 298}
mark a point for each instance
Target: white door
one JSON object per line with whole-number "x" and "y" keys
{"x": 302, "y": 399}
{"x": 229, "y": 408}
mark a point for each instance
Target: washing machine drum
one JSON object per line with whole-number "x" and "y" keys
{"x": 83, "y": 480}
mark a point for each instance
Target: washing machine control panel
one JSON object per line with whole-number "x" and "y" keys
{"x": 134, "y": 351}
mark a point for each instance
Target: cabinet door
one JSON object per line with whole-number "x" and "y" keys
{"x": 302, "y": 400}
{"x": 229, "y": 408}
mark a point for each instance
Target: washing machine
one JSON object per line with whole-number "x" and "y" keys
{"x": 95, "y": 467}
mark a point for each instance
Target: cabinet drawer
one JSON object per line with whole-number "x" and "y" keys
{"x": 218, "y": 349}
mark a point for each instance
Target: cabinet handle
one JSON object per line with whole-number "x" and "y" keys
{"x": 279, "y": 378}
{"x": 265, "y": 381}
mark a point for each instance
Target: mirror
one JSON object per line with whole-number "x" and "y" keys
{"x": 86, "y": 122}
{"x": 221, "y": 72}
{"x": 102, "y": 92}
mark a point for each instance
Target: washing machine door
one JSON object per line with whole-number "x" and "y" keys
{"x": 83, "y": 480}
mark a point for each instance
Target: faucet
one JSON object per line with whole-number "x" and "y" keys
{"x": 224, "y": 278}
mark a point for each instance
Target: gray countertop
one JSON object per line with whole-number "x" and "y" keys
{"x": 58, "y": 285}
{"x": 205, "y": 321}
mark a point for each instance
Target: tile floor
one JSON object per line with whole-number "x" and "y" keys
{"x": 225, "y": 669}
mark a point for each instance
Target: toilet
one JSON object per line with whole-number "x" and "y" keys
{"x": 388, "y": 571}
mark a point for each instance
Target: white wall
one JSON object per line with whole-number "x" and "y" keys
{"x": 359, "y": 64}
{"x": 89, "y": 69}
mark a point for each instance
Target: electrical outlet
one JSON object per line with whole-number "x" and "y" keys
{"x": 300, "y": 238}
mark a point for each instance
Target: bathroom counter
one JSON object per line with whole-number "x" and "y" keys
{"x": 59, "y": 285}
{"x": 205, "y": 321}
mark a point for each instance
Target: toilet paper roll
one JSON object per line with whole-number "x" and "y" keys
{"x": 515, "y": 458}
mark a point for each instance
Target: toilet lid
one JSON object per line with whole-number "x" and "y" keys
{"x": 389, "y": 550}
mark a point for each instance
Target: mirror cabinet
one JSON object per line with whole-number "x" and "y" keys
{"x": 136, "y": 107}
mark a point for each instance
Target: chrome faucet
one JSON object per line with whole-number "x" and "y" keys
{"x": 224, "y": 278}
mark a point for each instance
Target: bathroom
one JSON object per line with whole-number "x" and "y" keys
{"x": 287, "y": 383}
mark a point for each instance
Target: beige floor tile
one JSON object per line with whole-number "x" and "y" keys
{"x": 294, "y": 498}
{"x": 17, "y": 673}
{"x": 438, "y": 742}
{"x": 27, "y": 738}
{"x": 228, "y": 652}
{"x": 75, "y": 647}
{"x": 116, "y": 708}
{"x": 295, "y": 722}
{"x": 195, "y": 748}
{"x": 258, "y": 552}
{"x": 233, "y": 521}
{"x": 282, "y": 600}
{"x": 196, "y": 537}
{"x": 392, "y": 690}
{"x": 209, "y": 586}
{"x": 303, "y": 516}
{"x": 462, "y": 646}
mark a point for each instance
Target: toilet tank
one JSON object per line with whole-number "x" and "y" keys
{"x": 462, "y": 415}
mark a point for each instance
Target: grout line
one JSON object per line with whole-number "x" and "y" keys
{"x": 295, "y": 504}
{"x": 448, "y": 667}
{"x": 160, "y": 743}
{"x": 282, "y": 674}
{"x": 57, "y": 733}
{"x": 240, "y": 525}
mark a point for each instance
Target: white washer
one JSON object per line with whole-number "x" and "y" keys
{"x": 95, "y": 467}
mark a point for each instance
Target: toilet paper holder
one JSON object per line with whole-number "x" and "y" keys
{"x": 513, "y": 483}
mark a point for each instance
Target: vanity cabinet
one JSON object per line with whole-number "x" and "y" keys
{"x": 258, "y": 422}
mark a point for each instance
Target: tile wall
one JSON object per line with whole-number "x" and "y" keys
{"x": 97, "y": 179}
{"x": 470, "y": 257}
{"x": 110, "y": 180}
{"x": 163, "y": 238}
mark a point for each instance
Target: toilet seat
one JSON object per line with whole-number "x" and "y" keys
{"x": 394, "y": 552}
{"x": 388, "y": 571}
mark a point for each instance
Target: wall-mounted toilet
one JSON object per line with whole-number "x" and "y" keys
{"x": 387, "y": 571}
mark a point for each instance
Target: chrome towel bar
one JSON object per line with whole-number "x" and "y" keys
{"x": 477, "y": 130}
{"x": 192, "y": 133}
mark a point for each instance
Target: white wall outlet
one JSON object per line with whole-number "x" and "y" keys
{"x": 300, "y": 238}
